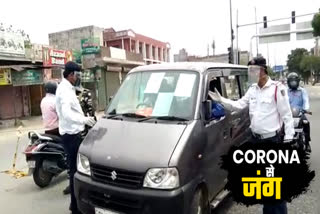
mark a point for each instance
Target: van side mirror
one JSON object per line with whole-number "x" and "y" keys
{"x": 208, "y": 109}
{"x": 110, "y": 98}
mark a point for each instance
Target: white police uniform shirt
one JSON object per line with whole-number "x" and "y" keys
{"x": 267, "y": 111}
{"x": 71, "y": 117}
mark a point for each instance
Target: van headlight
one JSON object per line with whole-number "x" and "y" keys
{"x": 162, "y": 178}
{"x": 83, "y": 164}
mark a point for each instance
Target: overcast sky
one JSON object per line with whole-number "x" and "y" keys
{"x": 190, "y": 24}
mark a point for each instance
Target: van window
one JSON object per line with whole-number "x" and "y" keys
{"x": 232, "y": 87}
{"x": 244, "y": 83}
{"x": 157, "y": 93}
{"x": 215, "y": 83}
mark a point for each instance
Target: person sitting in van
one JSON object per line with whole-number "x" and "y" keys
{"x": 217, "y": 110}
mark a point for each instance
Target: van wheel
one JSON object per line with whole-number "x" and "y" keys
{"x": 199, "y": 204}
{"x": 41, "y": 177}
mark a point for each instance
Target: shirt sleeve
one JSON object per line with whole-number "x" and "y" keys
{"x": 67, "y": 112}
{"x": 284, "y": 110}
{"x": 305, "y": 97}
{"x": 239, "y": 104}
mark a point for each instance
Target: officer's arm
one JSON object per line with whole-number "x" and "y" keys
{"x": 239, "y": 104}
{"x": 305, "y": 97}
{"x": 285, "y": 111}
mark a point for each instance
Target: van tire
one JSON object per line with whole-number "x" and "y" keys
{"x": 199, "y": 204}
{"x": 40, "y": 177}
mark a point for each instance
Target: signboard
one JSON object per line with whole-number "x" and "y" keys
{"x": 76, "y": 56}
{"x": 90, "y": 45}
{"x": 55, "y": 57}
{"x": 117, "y": 53}
{"x": 87, "y": 76}
{"x": 278, "y": 68}
{"x": 5, "y": 76}
{"x": 11, "y": 43}
{"x": 27, "y": 77}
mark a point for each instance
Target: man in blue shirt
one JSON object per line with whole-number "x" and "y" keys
{"x": 298, "y": 98}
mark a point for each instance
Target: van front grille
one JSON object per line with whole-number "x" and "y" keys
{"x": 116, "y": 177}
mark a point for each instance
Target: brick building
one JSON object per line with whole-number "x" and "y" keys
{"x": 153, "y": 51}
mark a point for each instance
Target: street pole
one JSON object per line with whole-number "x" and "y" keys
{"x": 231, "y": 31}
{"x": 255, "y": 10}
{"x": 238, "y": 60}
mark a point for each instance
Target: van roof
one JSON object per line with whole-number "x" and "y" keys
{"x": 196, "y": 66}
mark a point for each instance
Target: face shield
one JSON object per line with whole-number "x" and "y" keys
{"x": 77, "y": 83}
{"x": 253, "y": 74}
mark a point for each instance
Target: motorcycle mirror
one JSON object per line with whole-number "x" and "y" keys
{"x": 110, "y": 98}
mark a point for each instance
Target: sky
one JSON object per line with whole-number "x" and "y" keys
{"x": 189, "y": 24}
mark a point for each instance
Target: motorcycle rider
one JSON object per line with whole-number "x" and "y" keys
{"x": 298, "y": 98}
{"x": 48, "y": 109}
{"x": 71, "y": 121}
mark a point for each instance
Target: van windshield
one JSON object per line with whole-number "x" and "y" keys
{"x": 157, "y": 94}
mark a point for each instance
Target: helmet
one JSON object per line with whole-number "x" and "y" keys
{"x": 50, "y": 87}
{"x": 293, "y": 80}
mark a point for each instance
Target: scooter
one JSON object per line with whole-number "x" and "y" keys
{"x": 299, "y": 136}
{"x": 45, "y": 153}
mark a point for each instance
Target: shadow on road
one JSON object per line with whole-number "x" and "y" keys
{"x": 28, "y": 185}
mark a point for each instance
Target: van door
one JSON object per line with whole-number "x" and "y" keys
{"x": 239, "y": 120}
{"x": 217, "y": 136}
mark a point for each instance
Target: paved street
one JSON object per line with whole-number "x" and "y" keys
{"x": 23, "y": 196}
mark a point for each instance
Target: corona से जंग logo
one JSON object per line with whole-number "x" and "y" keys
{"x": 262, "y": 173}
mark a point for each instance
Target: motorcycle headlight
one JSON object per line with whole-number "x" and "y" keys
{"x": 83, "y": 164}
{"x": 162, "y": 178}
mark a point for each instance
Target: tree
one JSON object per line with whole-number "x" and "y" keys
{"x": 311, "y": 64}
{"x": 294, "y": 60}
{"x": 316, "y": 25}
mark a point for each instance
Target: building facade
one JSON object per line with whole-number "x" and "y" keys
{"x": 152, "y": 50}
{"x": 220, "y": 58}
{"x": 71, "y": 39}
{"x": 21, "y": 75}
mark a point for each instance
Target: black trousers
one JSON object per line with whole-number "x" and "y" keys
{"x": 72, "y": 144}
{"x": 280, "y": 208}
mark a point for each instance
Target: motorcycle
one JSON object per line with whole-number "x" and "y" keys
{"x": 299, "y": 136}
{"x": 45, "y": 153}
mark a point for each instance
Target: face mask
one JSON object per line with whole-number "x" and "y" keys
{"x": 293, "y": 84}
{"x": 78, "y": 80}
{"x": 253, "y": 74}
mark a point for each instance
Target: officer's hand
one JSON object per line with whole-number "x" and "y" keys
{"x": 90, "y": 121}
{"x": 215, "y": 96}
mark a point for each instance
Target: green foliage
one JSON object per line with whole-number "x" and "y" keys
{"x": 310, "y": 63}
{"x": 294, "y": 60}
{"x": 316, "y": 25}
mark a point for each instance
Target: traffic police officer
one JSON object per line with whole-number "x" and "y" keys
{"x": 298, "y": 98}
{"x": 269, "y": 108}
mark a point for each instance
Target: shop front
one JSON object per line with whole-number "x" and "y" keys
{"x": 21, "y": 93}
{"x": 32, "y": 81}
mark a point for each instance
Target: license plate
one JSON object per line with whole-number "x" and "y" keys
{"x": 298, "y": 130}
{"x": 103, "y": 211}
{"x": 32, "y": 164}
